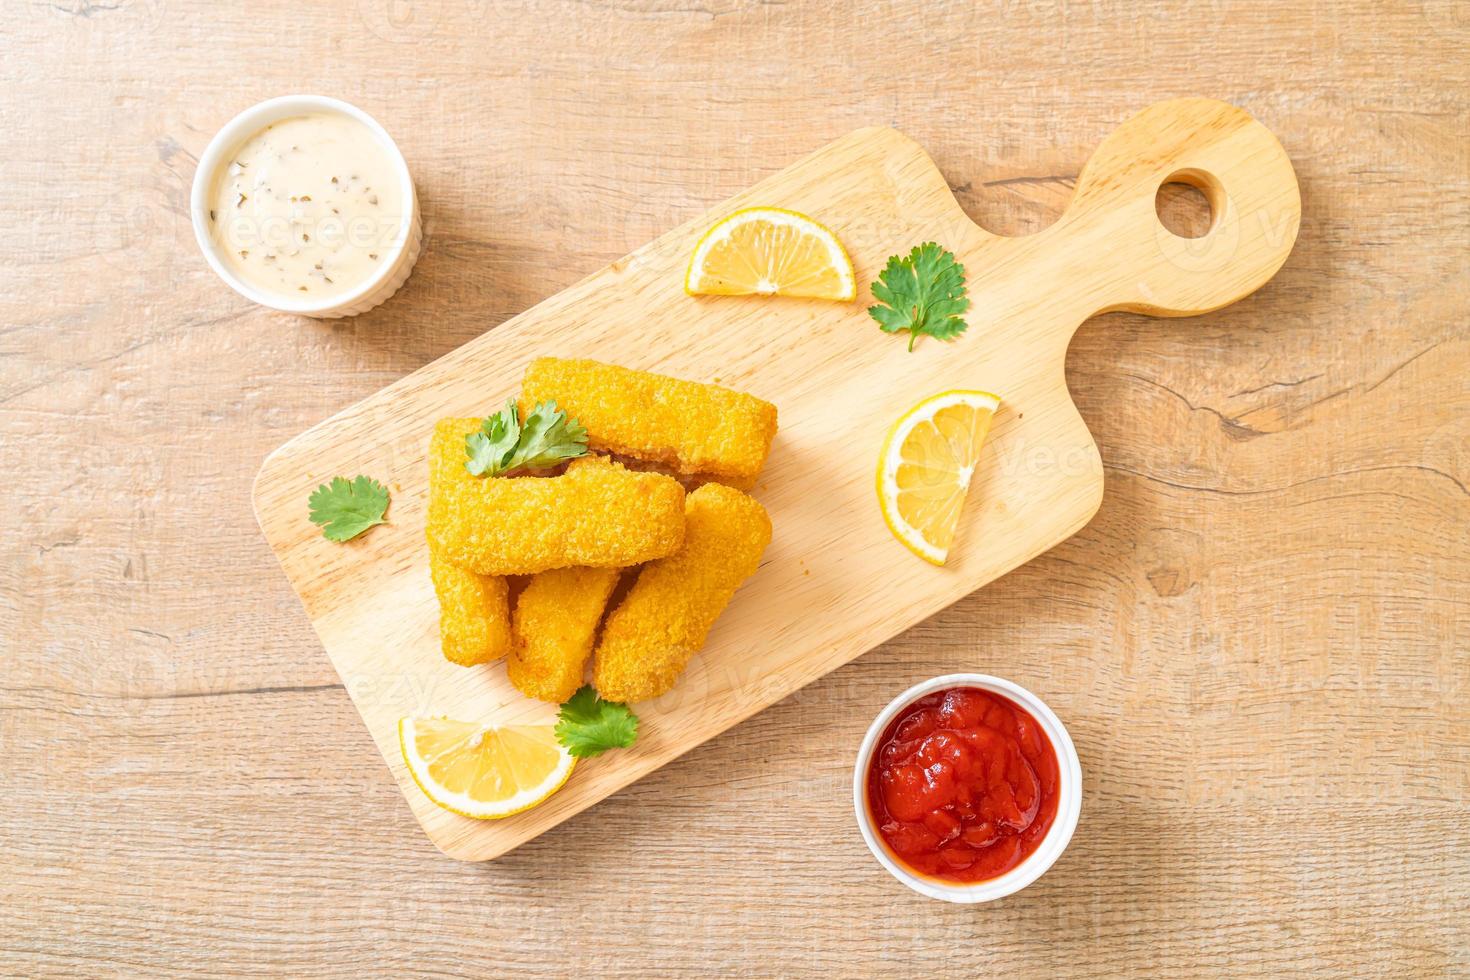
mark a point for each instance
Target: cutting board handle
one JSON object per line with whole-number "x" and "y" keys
{"x": 1245, "y": 176}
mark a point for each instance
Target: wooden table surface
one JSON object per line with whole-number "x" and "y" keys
{"x": 1261, "y": 644}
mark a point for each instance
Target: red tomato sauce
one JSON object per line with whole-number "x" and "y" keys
{"x": 963, "y": 785}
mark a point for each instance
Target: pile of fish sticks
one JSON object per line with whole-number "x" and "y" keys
{"x": 579, "y": 534}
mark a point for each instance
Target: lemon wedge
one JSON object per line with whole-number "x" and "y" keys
{"x": 925, "y": 469}
{"x": 483, "y": 771}
{"x": 770, "y": 252}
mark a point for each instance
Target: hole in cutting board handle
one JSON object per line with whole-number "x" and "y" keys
{"x": 1146, "y": 266}
{"x": 1189, "y": 203}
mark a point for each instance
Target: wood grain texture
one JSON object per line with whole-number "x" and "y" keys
{"x": 833, "y": 584}
{"x": 1259, "y": 642}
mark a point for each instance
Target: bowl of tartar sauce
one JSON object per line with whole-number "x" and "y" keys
{"x": 304, "y": 204}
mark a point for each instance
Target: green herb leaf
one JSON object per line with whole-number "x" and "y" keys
{"x": 924, "y": 293}
{"x": 504, "y": 443}
{"x": 589, "y": 726}
{"x": 345, "y": 508}
{"x": 549, "y": 437}
{"x": 495, "y": 443}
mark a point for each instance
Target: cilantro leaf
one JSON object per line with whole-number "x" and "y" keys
{"x": 548, "y": 438}
{"x": 345, "y": 508}
{"x": 489, "y": 448}
{"x": 924, "y": 293}
{"x": 589, "y": 726}
{"x": 505, "y": 443}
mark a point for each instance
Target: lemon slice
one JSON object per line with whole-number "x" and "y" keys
{"x": 925, "y": 469}
{"x": 770, "y": 252}
{"x": 483, "y": 771}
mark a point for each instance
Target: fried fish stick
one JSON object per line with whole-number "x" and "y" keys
{"x": 664, "y": 619}
{"x": 697, "y": 429}
{"x": 596, "y": 513}
{"x": 474, "y": 613}
{"x": 474, "y": 610}
{"x": 555, "y": 620}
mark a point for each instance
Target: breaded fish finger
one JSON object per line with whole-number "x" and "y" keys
{"x": 555, "y": 621}
{"x": 474, "y": 610}
{"x": 664, "y": 619}
{"x": 596, "y": 513}
{"x": 694, "y": 428}
{"x": 474, "y": 613}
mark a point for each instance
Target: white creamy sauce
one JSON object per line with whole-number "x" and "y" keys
{"x": 308, "y": 207}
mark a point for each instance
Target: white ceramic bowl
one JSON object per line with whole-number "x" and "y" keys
{"x": 402, "y": 254}
{"x": 1069, "y": 787}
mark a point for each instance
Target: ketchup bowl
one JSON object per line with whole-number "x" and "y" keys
{"x": 967, "y": 788}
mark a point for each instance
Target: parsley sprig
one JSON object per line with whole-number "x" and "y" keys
{"x": 345, "y": 508}
{"x": 504, "y": 443}
{"x": 924, "y": 293}
{"x": 588, "y": 725}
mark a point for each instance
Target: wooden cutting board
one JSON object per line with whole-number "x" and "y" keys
{"x": 833, "y": 583}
